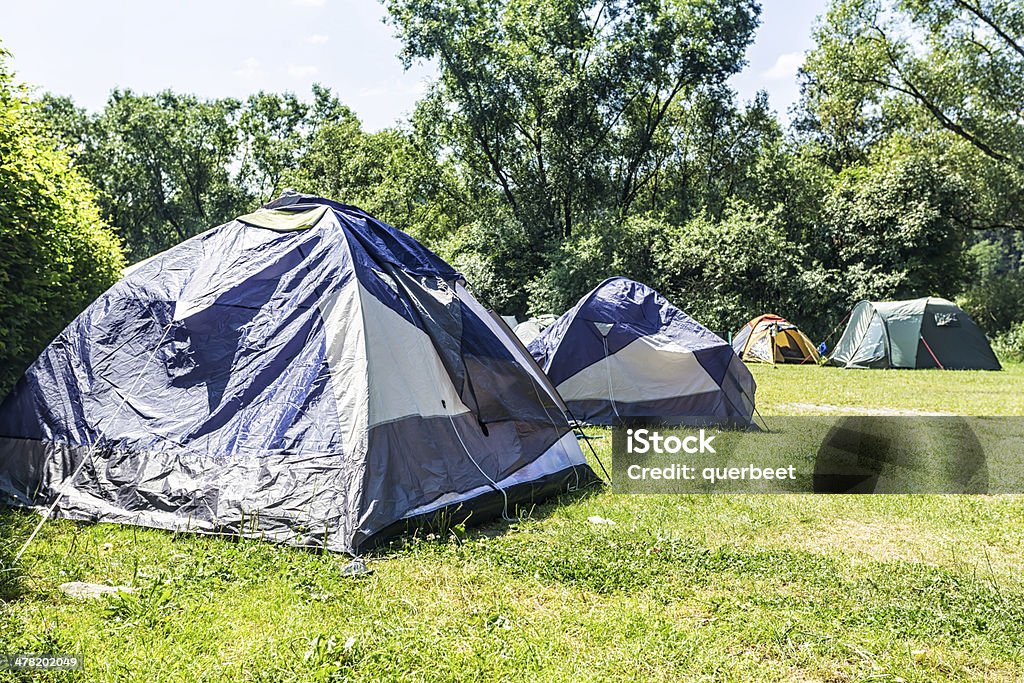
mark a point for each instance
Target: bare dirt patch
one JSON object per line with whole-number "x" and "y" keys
{"x": 826, "y": 409}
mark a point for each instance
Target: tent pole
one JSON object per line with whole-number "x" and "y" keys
{"x": 587, "y": 439}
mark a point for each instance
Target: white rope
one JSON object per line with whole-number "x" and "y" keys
{"x": 608, "y": 368}
{"x": 504, "y": 511}
{"x": 66, "y": 485}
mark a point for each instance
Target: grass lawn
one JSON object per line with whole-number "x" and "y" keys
{"x": 813, "y": 390}
{"x": 711, "y": 587}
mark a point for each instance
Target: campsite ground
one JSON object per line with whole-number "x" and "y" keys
{"x": 716, "y": 587}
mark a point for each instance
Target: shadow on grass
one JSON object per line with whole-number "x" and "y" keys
{"x": 15, "y": 527}
{"x": 460, "y": 528}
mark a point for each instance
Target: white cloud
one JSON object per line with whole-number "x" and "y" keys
{"x": 317, "y": 39}
{"x": 302, "y": 70}
{"x": 378, "y": 91}
{"x": 250, "y": 70}
{"x": 309, "y": 3}
{"x": 785, "y": 68}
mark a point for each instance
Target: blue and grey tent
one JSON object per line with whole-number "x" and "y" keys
{"x": 624, "y": 352}
{"x": 304, "y": 374}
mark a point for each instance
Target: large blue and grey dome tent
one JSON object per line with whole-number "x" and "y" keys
{"x": 624, "y": 352}
{"x": 304, "y": 374}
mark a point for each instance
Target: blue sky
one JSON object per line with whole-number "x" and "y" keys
{"x": 233, "y": 48}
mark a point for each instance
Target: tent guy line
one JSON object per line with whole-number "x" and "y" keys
{"x": 70, "y": 480}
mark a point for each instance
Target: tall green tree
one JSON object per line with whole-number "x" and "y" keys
{"x": 898, "y": 228}
{"x": 170, "y": 165}
{"x": 562, "y": 106}
{"x": 58, "y": 254}
{"x": 395, "y": 174}
{"x": 163, "y": 166}
{"x": 944, "y": 70}
{"x": 277, "y": 133}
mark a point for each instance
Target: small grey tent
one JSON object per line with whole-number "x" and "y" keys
{"x": 529, "y": 330}
{"x": 918, "y": 333}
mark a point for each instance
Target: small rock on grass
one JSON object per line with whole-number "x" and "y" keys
{"x": 88, "y": 591}
{"x": 356, "y": 568}
{"x": 600, "y": 520}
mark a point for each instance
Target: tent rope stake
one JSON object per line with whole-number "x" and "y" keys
{"x": 67, "y": 483}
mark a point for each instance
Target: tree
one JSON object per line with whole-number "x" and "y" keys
{"x": 562, "y": 106}
{"x": 900, "y": 224}
{"x": 277, "y": 133}
{"x": 162, "y": 164}
{"x": 169, "y": 165}
{"x": 394, "y": 174}
{"x": 58, "y": 254}
{"x": 719, "y": 151}
{"x": 725, "y": 272}
{"x": 923, "y": 67}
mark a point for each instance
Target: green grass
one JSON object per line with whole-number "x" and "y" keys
{"x": 795, "y": 390}
{"x": 711, "y": 587}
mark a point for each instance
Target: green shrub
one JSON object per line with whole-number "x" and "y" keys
{"x": 1009, "y": 346}
{"x": 725, "y": 272}
{"x": 995, "y": 297}
{"x": 898, "y": 221}
{"x": 57, "y": 253}
{"x": 595, "y": 253}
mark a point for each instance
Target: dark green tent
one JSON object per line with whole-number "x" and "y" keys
{"x": 919, "y": 333}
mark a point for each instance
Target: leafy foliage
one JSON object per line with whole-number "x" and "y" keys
{"x": 567, "y": 141}
{"x": 724, "y": 273}
{"x": 995, "y": 297}
{"x": 567, "y": 111}
{"x": 929, "y": 66}
{"x": 1010, "y": 345}
{"x": 169, "y": 166}
{"x": 392, "y": 174}
{"x": 58, "y": 254}
{"x": 900, "y": 218}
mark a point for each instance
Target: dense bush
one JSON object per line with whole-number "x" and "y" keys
{"x": 1009, "y": 346}
{"x": 721, "y": 272}
{"x": 898, "y": 226}
{"x": 724, "y": 273}
{"x": 631, "y": 248}
{"x": 57, "y": 253}
{"x": 493, "y": 255}
{"x": 995, "y": 296}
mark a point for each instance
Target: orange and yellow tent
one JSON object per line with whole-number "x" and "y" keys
{"x": 773, "y": 339}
